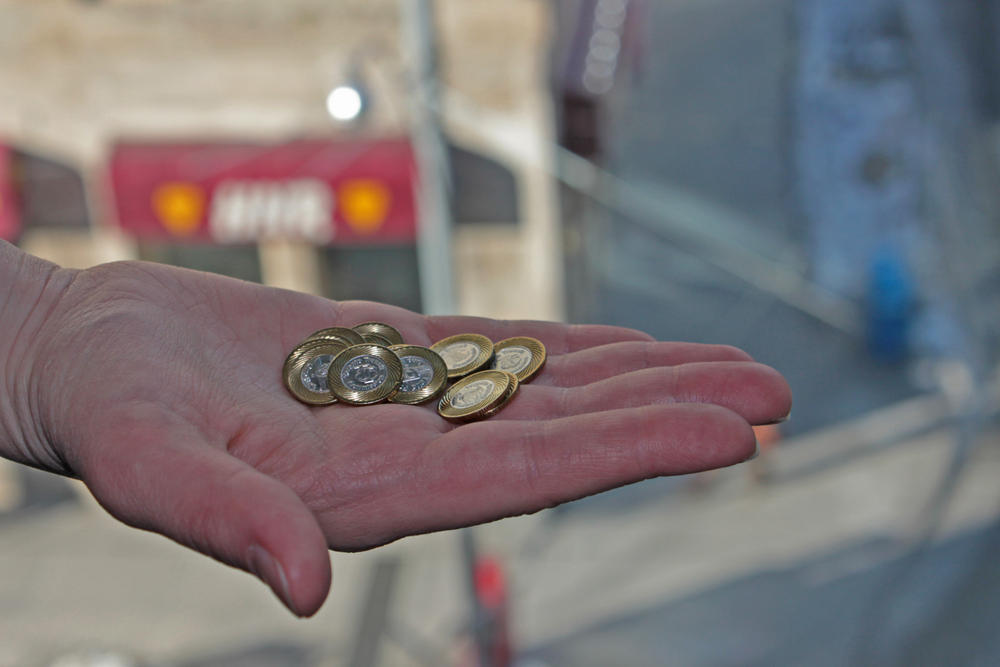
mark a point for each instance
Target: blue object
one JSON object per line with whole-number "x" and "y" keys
{"x": 891, "y": 300}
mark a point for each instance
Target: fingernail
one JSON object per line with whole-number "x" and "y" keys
{"x": 781, "y": 420}
{"x": 266, "y": 568}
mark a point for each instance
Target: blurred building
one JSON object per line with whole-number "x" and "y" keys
{"x": 88, "y": 83}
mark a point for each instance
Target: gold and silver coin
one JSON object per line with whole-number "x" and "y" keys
{"x": 376, "y": 339}
{"x": 380, "y": 330}
{"x": 347, "y": 336}
{"x": 369, "y": 363}
{"x": 365, "y": 374}
{"x": 424, "y": 374}
{"x": 523, "y": 356}
{"x": 307, "y": 367}
{"x": 478, "y": 396}
{"x": 464, "y": 354}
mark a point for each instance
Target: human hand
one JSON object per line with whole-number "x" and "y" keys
{"x": 161, "y": 389}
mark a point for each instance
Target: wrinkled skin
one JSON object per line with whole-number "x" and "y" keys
{"x": 161, "y": 389}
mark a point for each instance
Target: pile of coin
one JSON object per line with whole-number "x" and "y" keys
{"x": 369, "y": 363}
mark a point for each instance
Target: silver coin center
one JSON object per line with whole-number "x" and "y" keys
{"x": 417, "y": 373}
{"x": 513, "y": 359}
{"x": 459, "y": 354}
{"x": 364, "y": 373}
{"x": 314, "y": 374}
{"x": 473, "y": 393}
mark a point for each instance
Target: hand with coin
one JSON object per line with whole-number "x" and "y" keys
{"x": 177, "y": 397}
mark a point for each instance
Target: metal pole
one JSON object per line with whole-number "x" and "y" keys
{"x": 434, "y": 254}
{"x": 480, "y": 621}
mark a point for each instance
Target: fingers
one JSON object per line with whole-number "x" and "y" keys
{"x": 756, "y": 392}
{"x": 593, "y": 351}
{"x": 558, "y": 338}
{"x": 155, "y": 474}
{"x": 604, "y": 361}
{"x": 493, "y": 469}
{"x": 311, "y": 313}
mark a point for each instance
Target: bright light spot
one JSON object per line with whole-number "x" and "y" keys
{"x": 612, "y": 6}
{"x": 597, "y": 83}
{"x": 610, "y": 15}
{"x": 602, "y": 70}
{"x": 344, "y": 103}
{"x": 603, "y": 37}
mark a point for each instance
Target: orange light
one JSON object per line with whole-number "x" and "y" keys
{"x": 179, "y": 207}
{"x": 364, "y": 204}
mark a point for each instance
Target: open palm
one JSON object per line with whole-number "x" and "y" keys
{"x": 161, "y": 389}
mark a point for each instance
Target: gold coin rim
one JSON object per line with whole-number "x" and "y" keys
{"x": 377, "y": 339}
{"x": 307, "y": 345}
{"x": 485, "y": 408}
{"x": 386, "y": 331}
{"x": 349, "y": 336}
{"x": 512, "y": 389}
{"x": 303, "y": 353}
{"x": 353, "y": 397}
{"x": 538, "y": 355}
{"x": 438, "y": 383}
{"x": 485, "y": 353}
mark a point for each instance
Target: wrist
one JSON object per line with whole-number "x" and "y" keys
{"x": 29, "y": 290}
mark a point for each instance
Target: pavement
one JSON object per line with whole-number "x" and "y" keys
{"x": 722, "y": 570}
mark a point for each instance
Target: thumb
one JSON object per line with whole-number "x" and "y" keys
{"x": 171, "y": 482}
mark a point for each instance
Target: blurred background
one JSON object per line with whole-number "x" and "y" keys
{"x": 812, "y": 180}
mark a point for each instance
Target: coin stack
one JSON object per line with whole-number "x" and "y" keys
{"x": 369, "y": 363}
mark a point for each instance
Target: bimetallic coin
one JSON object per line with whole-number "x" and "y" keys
{"x": 376, "y": 339}
{"x": 365, "y": 374}
{"x": 464, "y": 353}
{"x": 307, "y": 346}
{"x": 387, "y": 332}
{"x": 523, "y": 356}
{"x": 424, "y": 374}
{"x": 306, "y": 370}
{"x": 473, "y": 393}
{"x": 417, "y": 373}
{"x": 478, "y": 396}
{"x": 314, "y": 373}
{"x": 347, "y": 336}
